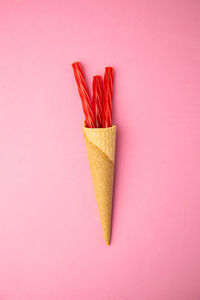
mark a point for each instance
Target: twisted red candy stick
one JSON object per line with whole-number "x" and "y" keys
{"x": 84, "y": 95}
{"x": 97, "y": 100}
{"x": 107, "y": 97}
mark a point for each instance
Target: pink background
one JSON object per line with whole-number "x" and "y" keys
{"x": 51, "y": 244}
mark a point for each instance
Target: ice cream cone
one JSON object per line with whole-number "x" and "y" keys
{"x": 100, "y": 145}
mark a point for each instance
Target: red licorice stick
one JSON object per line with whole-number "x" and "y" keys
{"x": 107, "y": 97}
{"x": 84, "y": 95}
{"x": 97, "y": 100}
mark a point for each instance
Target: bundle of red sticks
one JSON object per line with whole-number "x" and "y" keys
{"x": 98, "y": 110}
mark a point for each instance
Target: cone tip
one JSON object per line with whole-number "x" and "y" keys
{"x": 107, "y": 241}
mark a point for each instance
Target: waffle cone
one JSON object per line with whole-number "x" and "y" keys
{"x": 100, "y": 145}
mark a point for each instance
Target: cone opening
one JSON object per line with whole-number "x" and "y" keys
{"x": 99, "y": 129}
